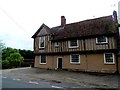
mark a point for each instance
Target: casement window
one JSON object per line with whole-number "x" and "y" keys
{"x": 101, "y": 39}
{"x": 75, "y": 58}
{"x": 42, "y": 42}
{"x": 109, "y": 58}
{"x": 73, "y": 43}
{"x": 43, "y": 59}
{"x": 57, "y": 44}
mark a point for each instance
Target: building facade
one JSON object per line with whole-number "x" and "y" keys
{"x": 89, "y": 45}
{"x": 119, "y": 35}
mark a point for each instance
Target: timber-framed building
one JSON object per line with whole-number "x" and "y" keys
{"x": 89, "y": 45}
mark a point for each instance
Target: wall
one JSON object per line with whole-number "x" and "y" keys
{"x": 119, "y": 63}
{"x": 119, "y": 14}
{"x": 49, "y": 64}
{"x": 89, "y": 62}
{"x": 119, "y": 32}
{"x": 87, "y": 44}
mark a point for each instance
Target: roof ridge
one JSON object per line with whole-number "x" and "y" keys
{"x": 84, "y": 20}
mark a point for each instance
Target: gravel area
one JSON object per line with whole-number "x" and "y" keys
{"x": 61, "y": 76}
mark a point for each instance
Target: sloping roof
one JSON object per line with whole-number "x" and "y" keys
{"x": 98, "y": 26}
{"x": 43, "y": 25}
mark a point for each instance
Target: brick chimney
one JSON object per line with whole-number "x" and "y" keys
{"x": 63, "y": 21}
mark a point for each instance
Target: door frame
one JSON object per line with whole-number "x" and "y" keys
{"x": 57, "y": 61}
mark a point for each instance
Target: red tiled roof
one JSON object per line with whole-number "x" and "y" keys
{"x": 98, "y": 26}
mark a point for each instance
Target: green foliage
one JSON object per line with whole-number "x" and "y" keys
{"x": 11, "y": 58}
{"x": 7, "y": 51}
{"x": 15, "y": 59}
{"x": 27, "y": 54}
{"x": 5, "y": 64}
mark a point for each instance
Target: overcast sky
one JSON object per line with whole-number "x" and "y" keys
{"x": 20, "y": 19}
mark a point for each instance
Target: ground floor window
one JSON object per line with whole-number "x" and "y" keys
{"x": 43, "y": 59}
{"x": 109, "y": 58}
{"x": 75, "y": 58}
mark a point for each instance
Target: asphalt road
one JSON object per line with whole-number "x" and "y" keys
{"x": 17, "y": 83}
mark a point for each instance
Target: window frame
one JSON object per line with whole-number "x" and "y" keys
{"x": 113, "y": 57}
{"x": 45, "y": 59}
{"x": 57, "y": 44}
{"x": 74, "y": 62}
{"x": 69, "y": 43}
{"x": 106, "y": 40}
{"x": 40, "y": 42}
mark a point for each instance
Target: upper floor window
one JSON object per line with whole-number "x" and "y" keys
{"x": 42, "y": 42}
{"x": 101, "y": 39}
{"x": 57, "y": 44}
{"x": 42, "y": 59}
{"x": 73, "y": 43}
{"x": 109, "y": 58}
{"x": 75, "y": 58}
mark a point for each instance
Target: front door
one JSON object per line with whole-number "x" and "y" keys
{"x": 59, "y": 63}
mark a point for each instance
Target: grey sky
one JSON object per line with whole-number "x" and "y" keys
{"x": 20, "y": 19}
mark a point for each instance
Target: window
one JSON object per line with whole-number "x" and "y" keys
{"x": 101, "y": 39}
{"x": 75, "y": 58}
{"x": 57, "y": 44}
{"x": 73, "y": 43}
{"x": 42, "y": 59}
{"x": 42, "y": 42}
{"x": 109, "y": 58}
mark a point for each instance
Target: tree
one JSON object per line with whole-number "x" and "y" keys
{"x": 15, "y": 60}
{"x": 11, "y": 58}
{"x": 7, "y": 51}
{"x": 27, "y": 54}
{"x": 5, "y": 64}
{"x": 1, "y": 48}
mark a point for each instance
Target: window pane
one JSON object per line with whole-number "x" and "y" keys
{"x": 43, "y": 59}
{"x": 42, "y": 41}
{"x": 73, "y": 43}
{"x": 101, "y": 39}
{"x": 56, "y": 43}
{"x": 109, "y": 57}
{"x": 75, "y": 58}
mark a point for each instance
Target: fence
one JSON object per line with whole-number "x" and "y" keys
{"x": 28, "y": 62}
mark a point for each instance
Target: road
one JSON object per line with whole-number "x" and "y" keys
{"x": 40, "y": 78}
{"x": 17, "y": 83}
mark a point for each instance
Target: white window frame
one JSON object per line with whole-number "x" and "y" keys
{"x": 106, "y": 41}
{"x": 57, "y": 45}
{"x": 113, "y": 56}
{"x": 40, "y": 42}
{"x": 74, "y": 62}
{"x": 73, "y": 46}
{"x": 40, "y": 60}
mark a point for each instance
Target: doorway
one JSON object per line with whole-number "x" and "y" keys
{"x": 59, "y": 63}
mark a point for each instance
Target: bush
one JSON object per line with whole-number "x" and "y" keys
{"x": 5, "y": 64}
{"x": 15, "y": 60}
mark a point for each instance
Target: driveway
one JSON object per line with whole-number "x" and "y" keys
{"x": 64, "y": 78}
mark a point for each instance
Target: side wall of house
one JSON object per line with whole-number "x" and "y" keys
{"x": 88, "y": 62}
{"x": 119, "y": 63}
{"x": 119, "y": 34}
